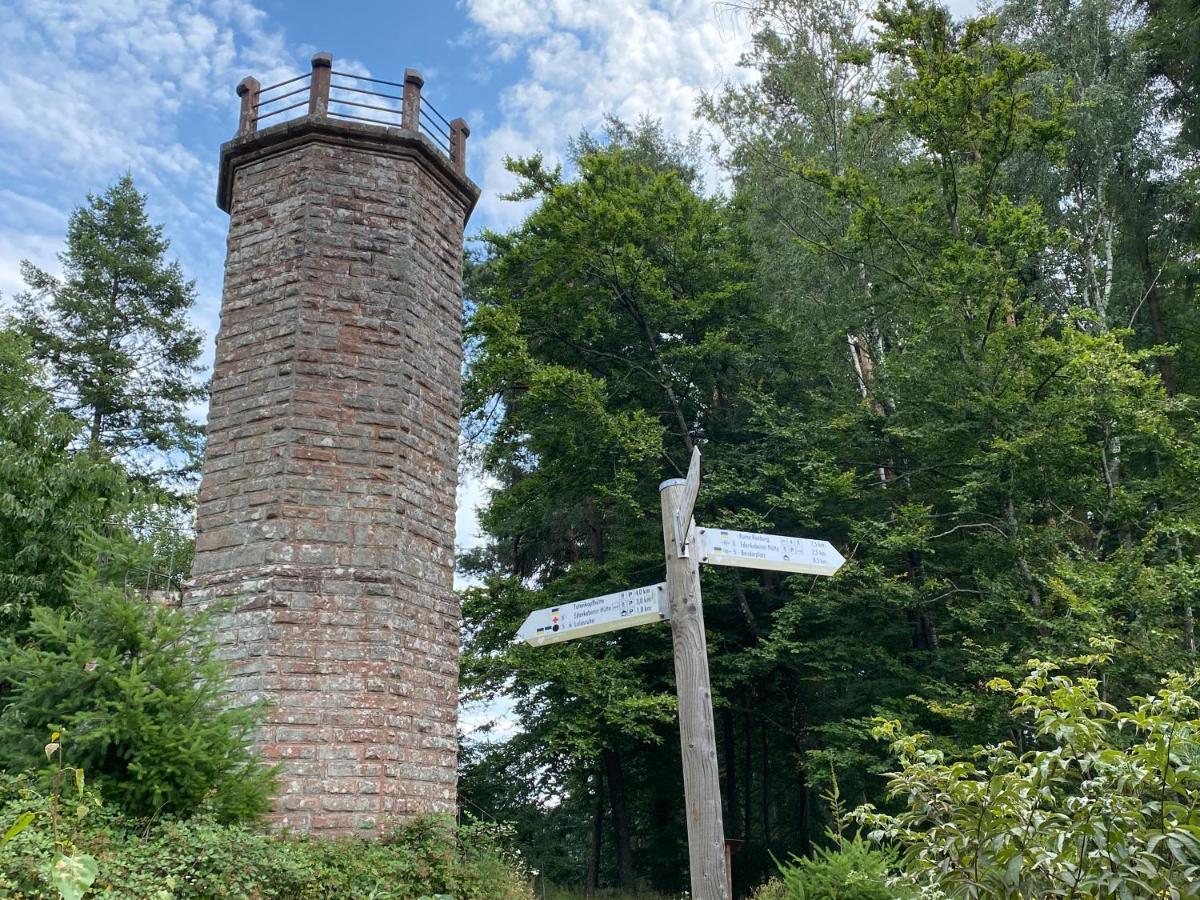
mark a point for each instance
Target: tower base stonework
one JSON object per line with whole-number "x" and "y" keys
{"x": 326, "y": 509}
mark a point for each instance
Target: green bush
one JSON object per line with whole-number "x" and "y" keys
{"x": 1105, "y": 804}
{"x": 170, "y": 859}
{"x": 852, "y": 870}
{"x": 138, "y": 693}
{"x": 51, "y": 499}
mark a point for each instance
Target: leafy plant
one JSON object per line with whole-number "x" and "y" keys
{"x": 70, "y": 873}
{"x": 140, "y": 690}
{"x": 850, "y": 869}
{"x": 1086, "y": 801}
{"x": 202, "y": 859}
{"x": 51, "y": 500}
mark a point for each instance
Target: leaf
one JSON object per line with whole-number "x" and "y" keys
{"x": 73, "y": 875}
{"x": 17, "y": 827}
{"x": 51, "y": 749}
{"x": 79, "y": 781}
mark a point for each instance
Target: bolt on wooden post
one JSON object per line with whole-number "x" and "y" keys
{"x": 697, "y": 735}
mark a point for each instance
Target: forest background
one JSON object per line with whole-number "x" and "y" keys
{"x": 944, "y": 319}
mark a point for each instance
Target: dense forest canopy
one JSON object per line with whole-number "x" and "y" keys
{"x": 943, "y": 317}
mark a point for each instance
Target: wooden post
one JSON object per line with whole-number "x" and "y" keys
{"x": 248, "y": 89}
{"x": 318, "y": 95}
{"x": 459, "y": 132}
{"x": 697, "y": 735}
{"x": 410, "y": 104}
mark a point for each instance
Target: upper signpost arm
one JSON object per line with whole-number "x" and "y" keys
{"x": 687, "y": 503}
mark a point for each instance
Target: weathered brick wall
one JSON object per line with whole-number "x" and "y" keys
{"x": 326, "y": 507}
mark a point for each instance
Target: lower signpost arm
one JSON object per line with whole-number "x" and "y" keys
{"x": 697, "y": 735}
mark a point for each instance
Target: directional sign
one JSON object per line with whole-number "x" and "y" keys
{"x": 767, "y": 551}
{"x": 610, "y": 612}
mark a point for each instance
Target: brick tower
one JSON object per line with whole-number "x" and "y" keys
{"x": 326, "y": 508}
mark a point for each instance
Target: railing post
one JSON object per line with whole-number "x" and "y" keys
{"x": 459, "y": 132}
{"x": 248, "y": 89}
{"x": 318, "y": 97}
{"x": 410, "y": 109}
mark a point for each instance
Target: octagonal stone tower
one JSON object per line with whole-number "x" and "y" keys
{"x": 326, "y": 508}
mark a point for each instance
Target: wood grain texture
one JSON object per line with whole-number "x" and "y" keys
{"x": 701, "y": 778}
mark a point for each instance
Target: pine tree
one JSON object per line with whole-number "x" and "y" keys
{"x": 114, "y": 335}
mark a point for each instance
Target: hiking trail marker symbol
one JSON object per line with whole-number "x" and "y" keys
{"x": 678, "y": 599}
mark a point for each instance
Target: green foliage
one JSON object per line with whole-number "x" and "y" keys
{"x": 1171, "y": 35}
{"x": 553, "y": 892}
{"x": 169, "y": 859}
{"x": 1103, "y": 803}
{"x": 115, "y": 335}
{"x": 851, "y": 870}
{"x": 138, "y": 691}
{"x": 71, "y": 876}
{"x": 606, "y": 336}
{"x": 51, "y": 500}
{"x": 70, "y": 873}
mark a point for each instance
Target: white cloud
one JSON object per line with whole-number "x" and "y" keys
{"x": 517, "y": 18}
{"x": 91, "y": 90}
{"x": 585, "y": 59}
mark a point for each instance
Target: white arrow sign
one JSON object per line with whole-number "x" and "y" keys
{"x": 610, "y": 612}
{"x": 723, "y": 547}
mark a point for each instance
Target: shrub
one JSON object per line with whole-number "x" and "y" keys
{"x": 851, "y": 870}
{"x": 1107, "y": 804}
{"x": 171, "y": 859}
{"x": 50, "y": 498}
{"x": 138, "y": 693}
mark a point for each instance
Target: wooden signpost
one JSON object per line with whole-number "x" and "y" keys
{"x": 685, "y": 546}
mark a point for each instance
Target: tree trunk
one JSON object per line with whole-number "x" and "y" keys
{"x": 1035, "y": 595}
{"x": 747, "y": 769}
{"x": 620, "y": 817}
{"x": 97, "y": 425}
{"x": 805, "y": 815}
{"x": 731, "y": 794}
{"x": 1189, "y": 613}
{"x": 766, "y": 788}
{"x": 1153, "y": 299}
{"x": 925, "y": 636}
{"x": 595, "y": 535}
{"x": 593, "y": 873}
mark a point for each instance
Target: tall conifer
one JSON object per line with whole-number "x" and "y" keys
{"x": 114, "y": 334}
